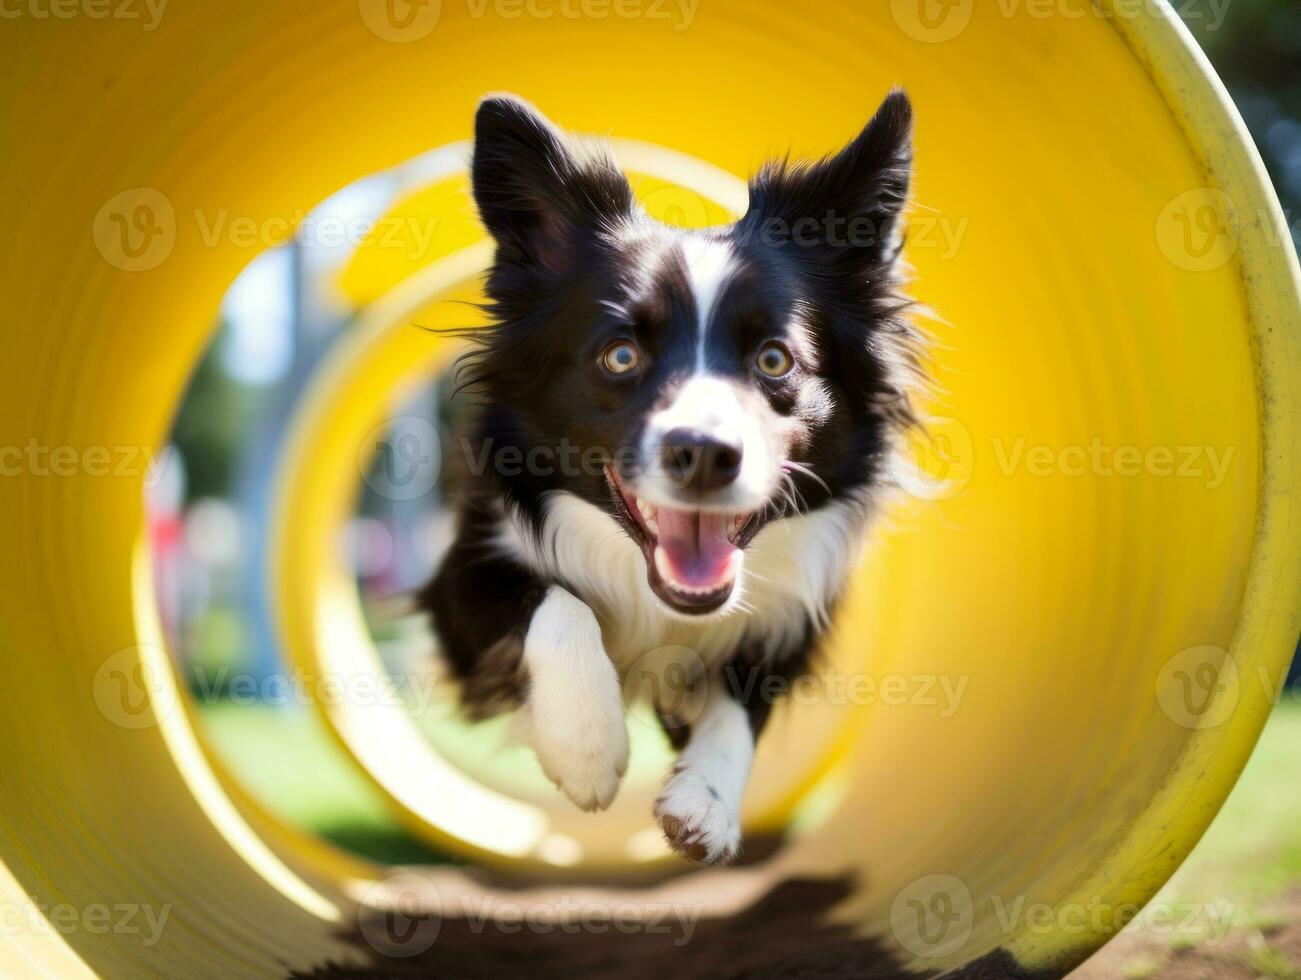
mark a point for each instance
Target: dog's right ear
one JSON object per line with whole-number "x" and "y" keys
{"x": 844, "y": 211}
{"x": 537, "y": 193}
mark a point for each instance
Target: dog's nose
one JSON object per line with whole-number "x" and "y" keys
{"x": 700, "y": 462}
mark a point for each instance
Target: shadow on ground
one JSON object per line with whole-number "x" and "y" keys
{"x": 783, "y": 935}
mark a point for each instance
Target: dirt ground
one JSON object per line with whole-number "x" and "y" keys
{"x": 1268, "y": 950}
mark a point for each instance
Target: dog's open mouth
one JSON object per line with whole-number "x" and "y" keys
{"x": 693, "y": 557}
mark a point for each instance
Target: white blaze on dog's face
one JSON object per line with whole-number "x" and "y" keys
{"x": 733, "y": 376}
{"x": 711, "y": 452}
{"x": 710, "y": 405}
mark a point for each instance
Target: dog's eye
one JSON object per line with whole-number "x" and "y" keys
{"x": 621, "y": 357}
{"x": 774, "y": 360}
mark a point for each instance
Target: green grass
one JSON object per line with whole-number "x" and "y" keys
{"x": 1247, "y": 869}
{"x": 1272, "y": 963}
{"x": 1252, "y": 853}
{"x": 1142, "y": 967}
{"x": 289, "y": 763}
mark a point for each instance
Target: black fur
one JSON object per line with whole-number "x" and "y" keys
{"x": 813, "y": 264}
{"x": 481, "y": 604}
{"x": 757, "y": 682}
{"x": 568, "y": 278}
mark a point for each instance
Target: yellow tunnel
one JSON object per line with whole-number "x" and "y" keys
{"x": 1066, "y": 637}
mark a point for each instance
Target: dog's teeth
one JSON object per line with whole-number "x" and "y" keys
{"x": 738, "y": 522}
{"x": 648, "y": 515}
{"x": 692, "y": 590}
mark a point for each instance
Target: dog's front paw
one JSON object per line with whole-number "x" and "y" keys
{"x": 585, "y": 757}
{"x": 697, "y": 823}
{"x": 575, "y": 702}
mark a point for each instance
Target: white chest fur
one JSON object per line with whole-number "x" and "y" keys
{"x": 793, "y": 570}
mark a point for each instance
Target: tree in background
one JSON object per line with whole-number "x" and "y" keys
{"x": 1255, "y": 46}
{"x": 212, "y": 425}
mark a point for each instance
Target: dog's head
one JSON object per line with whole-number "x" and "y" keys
{"x": 694, "y": 385}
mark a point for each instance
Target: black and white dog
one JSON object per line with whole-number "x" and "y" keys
{"x": 686, "y": 432}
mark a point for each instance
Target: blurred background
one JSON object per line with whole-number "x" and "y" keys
{"x": 210, "y": 509}
{"x": 209, "y": 530}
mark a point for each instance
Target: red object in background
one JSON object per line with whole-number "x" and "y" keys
{"x": 166, "y": 533}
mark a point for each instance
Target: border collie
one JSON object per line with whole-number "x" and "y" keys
{"x": 685, "y": 434}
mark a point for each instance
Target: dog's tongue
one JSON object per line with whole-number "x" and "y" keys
{"x": 694, "y": 550}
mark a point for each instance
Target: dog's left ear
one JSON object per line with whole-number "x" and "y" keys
{"x": 538, "y": 192}
{"x": 846, "y": 208}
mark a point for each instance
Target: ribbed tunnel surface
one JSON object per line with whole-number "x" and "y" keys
{"x": 1114, "y": 274}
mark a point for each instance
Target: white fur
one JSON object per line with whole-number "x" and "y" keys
{"x": 710, "y": 405}
{"x": 575, "y": 703}
{"x": 791, "y": 570}
{"x": 709, "y": 263}
{"x": 701, "y": 803}
{"x": 808, "y": 559}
